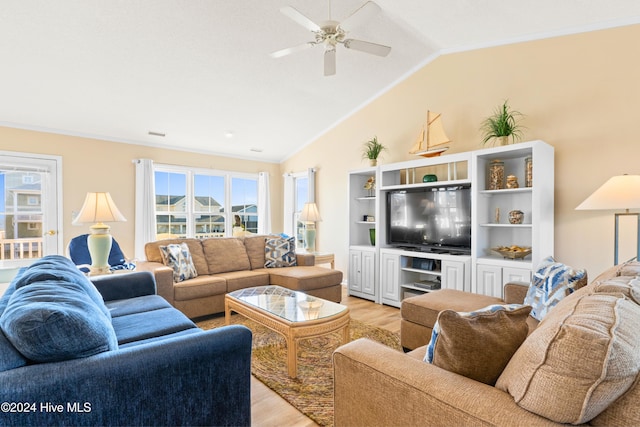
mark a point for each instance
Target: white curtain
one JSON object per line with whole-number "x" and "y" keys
{"x": 145, "y": 226}
{"x": 289, "y": 200}
{"x": 264, "y": 204}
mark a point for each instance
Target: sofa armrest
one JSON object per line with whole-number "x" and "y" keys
{"x": 163, "y": 276}
{"x": 124, "y": 286}
{"x": 377, "y": 385}
{"x": 514, "y": 292}
{"x": 198, "y": 379}
{"x": 305, "y": 260}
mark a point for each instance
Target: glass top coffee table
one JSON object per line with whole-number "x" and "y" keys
{"x": 295, "y": 315}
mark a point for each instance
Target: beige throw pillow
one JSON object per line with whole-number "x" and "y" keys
{"x": 478, "y": 344}
{"x": 580, "y": 359}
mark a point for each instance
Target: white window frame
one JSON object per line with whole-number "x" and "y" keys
{"x": 190, "y": 172}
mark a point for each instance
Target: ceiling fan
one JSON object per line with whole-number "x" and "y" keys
{"x": 331, "y": 33}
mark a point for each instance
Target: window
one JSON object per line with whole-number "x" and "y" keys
{"x": 195, "y": 203}
{"x": 299, "y": 189}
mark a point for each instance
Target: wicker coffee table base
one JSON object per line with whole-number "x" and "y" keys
{"x": 292, "y": 332}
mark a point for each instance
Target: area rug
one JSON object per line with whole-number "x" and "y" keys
{"x": 312, "y": 391}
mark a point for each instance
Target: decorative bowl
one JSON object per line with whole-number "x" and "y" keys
{"x": 512, "y": 252}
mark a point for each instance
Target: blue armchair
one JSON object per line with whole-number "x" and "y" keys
{"x": 78, "y": 251}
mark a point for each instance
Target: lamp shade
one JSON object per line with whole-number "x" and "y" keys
{"x": 310, "y": 213}
{"x": 619, "y": 192}
{"x": 99, "y": 207}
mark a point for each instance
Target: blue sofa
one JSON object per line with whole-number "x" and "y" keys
{"x": 109, "y": 351}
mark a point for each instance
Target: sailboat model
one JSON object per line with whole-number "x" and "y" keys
{"x": 432, "y": 137}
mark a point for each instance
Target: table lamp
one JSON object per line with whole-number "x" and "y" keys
{"x": 310, "y": 216}
{"x": 619, "y": 192}
{"x": 99, "y": 208}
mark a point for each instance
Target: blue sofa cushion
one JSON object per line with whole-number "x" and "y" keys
{"x": 10, "y": 358}
{"x": 149, "y": 324}
{"x": 59, "y": 268}
{"x": 55, "y": 320}
{"x": 141, "y": 304}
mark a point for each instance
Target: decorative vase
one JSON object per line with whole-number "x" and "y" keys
{"x": 502, "y": 140}
{"x": 372, "y": 236}
{"x": 373, "y": 162}
{"x": 516, "y": 217}
{"x": 496, "y": 175}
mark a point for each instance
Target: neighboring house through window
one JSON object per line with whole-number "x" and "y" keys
{"x": 204, "y": 203}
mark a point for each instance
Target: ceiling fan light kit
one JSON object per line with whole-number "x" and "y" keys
{"x": 332, "y": 33}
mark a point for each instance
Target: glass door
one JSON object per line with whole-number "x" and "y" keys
{"x": 30, "y": 208}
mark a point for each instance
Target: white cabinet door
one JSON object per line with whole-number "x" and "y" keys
{"x": 453, "y": 276}
{"x": 516, "y": 275}
{"x": 355, "y": 271}
{"x": 369, "y": 272}
{"x": 489, "y": 280}
{"x": 390, "y": 277}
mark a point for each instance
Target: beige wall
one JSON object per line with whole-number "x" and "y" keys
{"x": 96, "y": 165}
{"x": 580, "y": 93}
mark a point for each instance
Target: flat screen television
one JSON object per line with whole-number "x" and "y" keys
{"x": 434, "y": 219}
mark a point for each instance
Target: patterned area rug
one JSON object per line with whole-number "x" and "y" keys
{"x": 312, "y": 391}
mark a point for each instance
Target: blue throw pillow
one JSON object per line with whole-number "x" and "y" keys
{"x": 10, "y": 358}
{"x": 280, "y": 252}
{"x": 552, "y": 281}
{"x": 54, "y": 320}
{"x": 57, "y": 267}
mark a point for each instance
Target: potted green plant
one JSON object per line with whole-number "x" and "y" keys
{"x": 372, "y": 150}
{"x": 502, "y": 125}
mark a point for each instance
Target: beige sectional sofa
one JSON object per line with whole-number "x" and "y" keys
{"x": 227, "y": 264}
{"x": 579, "y": 365}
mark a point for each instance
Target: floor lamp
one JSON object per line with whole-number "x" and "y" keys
{"x": 310, "y": 216}
{"x": 618, "y": 193}
{"x": 99, "y": 208}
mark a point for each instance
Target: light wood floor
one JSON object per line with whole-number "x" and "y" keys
{"x": 268, "y": 409}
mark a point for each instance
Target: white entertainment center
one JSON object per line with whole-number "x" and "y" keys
{"x": 388, "y": 273}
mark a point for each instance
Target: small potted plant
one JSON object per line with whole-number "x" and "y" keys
{"x": 372, "y": 150}
{"x": 502, "y": 125}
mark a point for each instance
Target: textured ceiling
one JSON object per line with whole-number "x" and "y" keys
{"x": 196, "y": 70}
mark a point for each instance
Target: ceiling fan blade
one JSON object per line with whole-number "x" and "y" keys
{"x": 365, "y": 13}
{"x": 290, "y": 50}
{"x": 368, "y": 47}
{"x": 330, "y": 62}
{"x": 298, "y": 17}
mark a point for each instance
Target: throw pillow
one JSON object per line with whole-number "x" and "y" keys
{"x": 579, "y": 360}
{"x": 178, "y": 257}
{"x": 55, "y": 320}
{"x": 280, "y": 252}
{"x": 551, "y": 282}
{"x": 478, "y": 344}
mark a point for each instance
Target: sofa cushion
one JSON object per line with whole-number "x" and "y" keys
{"x": 478, "y": 344}
{"x": 304, "y": 278}
{"x": 280, "y": 252}
{"x": 225, "y": 254}
{"x": 200, "y": 287}
{"x": 152, "y": 252}
{"x": 62, "y": 269}
{"x": 581, "y": 357}
{"x": 255, "y": 250}
{"x": 178, "y": 257}
{"x": 150, "y": 324}
{"x": 54, "y": 320}
{"x": 244, "y": 279}
{"x": 141, "y": 304}
{"x": 551, "y": 282}
{"x": 10, "y": 358}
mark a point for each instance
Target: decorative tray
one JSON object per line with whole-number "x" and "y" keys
{"x": 513, "y": 252}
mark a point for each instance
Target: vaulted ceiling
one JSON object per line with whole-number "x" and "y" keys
{"x": 199, "y": 71}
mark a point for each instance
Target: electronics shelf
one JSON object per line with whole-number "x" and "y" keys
{"x": 390, "y": 270}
